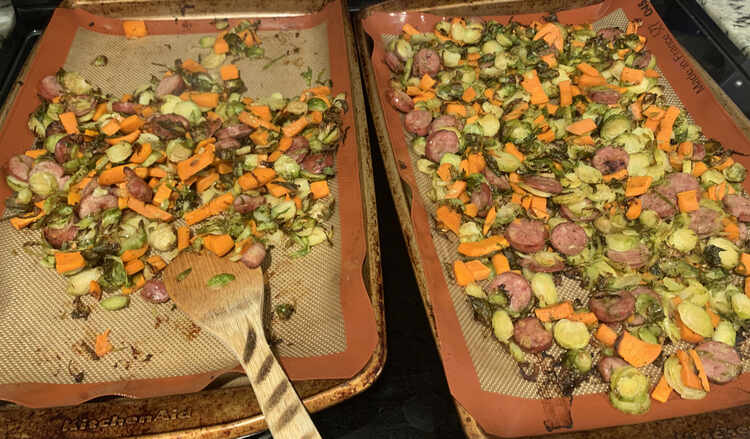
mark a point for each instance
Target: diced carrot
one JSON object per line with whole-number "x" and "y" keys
{"x": 205, "y": 99}
{"x": 218, "y": 244}
{"x": 183, "y": 237}
{"x": 699, "y": 168}
{"x": 112, "y": 176}
{"x": 69, "y": 122}
{"x": 193, "y": 66}
{"x": 69, "y": 261}
{"x": 101, "y": 109}
{"x": 701, "y": 370}
{"x": 637, "y": 185}
{"x": 191, "y": 166}
{"x": 589, "y": 318}
{"x": 532, "y": 85}
{"x": 634, "y": 209}
{"x": 500, "y": 263}
{"x": 134, "y": 266}
{"x": 581, "y": 127}
{"x": 133, "y": 254}
{"x": 688, "y": 201}
{"x": 457, "y": 109}
{"x": 35, "y": 153}
{"x": 632, "y": 76}
{"x": 426, "y": 82}
{"x": 455, "y": 189}
{"x": 156, "y": 262}
{"x": 462, "y": 273}
{"x": 664, "y": 134}
{"x": 606, "y": 335}
{"x": 554, "y": 312}
{"x": 662, "y": 390}
{"x": 478, "y": 270}
{"x": 587, "y": 81}
{"x": 134, "y": 29}
{"x": 687, "y": 375}
{"x": 111, "y": 127}
{"x": 148, "y": 210}
{"x": 129, "y": 138}
{"x": 262, "y": 111}
{"x": 636, "y": 351}
{"x": 478, "y": 249}
{"x": 229, "y": 72}
{"x": 511, "y": 149}
{"x": 220, "y": 46}
{"x": 449, "y": 218}
{"x": 19, "y": 223}
{"x": 293, "y": 128}
{"x": 319, "y": 189}
{"x": 489, "y": 220}
{"x": 469, "y": 95}
{"x": 566, "y": 96}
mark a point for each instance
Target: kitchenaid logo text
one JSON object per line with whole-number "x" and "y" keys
{"x": 82, "y": 424}
{"x": 658, "y": 30}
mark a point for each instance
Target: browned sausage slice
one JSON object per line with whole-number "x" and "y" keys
{"x": 426, "y": 62}
{"x": 655, "y": 202}
{"x": 541, "y": 183}
{"x": 154, "y": 291}
{"x": 317, "y": 163}
{"x": 499, "y": 182}
{"x": 531, "y": 335}
{"x": 552, "y": 266}
{"x": 738, "y": 206}
{"x": 418, "y": 122}
{"x": 170, "y": 85}
{"x": 526, "y": 236}
{"x": 516, "y": 287}
{"x": 612, "y": 307}
{"x": 446, "y": 121}
{"x": 394, "y": 62}
{"x": 439, "y": 143}
{"x": 299, "y": 149}
{"x": 481, "y": 197}
{"x": 568, "y": 238}
{"x": 227, "y": 143}
{"x": 721, "y": 362}
{"x": 137, "y": 187}
{"x": 642, "y": 60}
{"x": 19, "y": 166}
{"x": 609, "y": 160}
{"x": 399, "y": 100}
{"x": 608, "y": 97}
{"x": 587, "y": 213}
{"x": 609, "y": 33}
{"x": 607, "y": 365}
{"x": 49, "y": 88}
{"x": 245, "y": 203}
{"x": 254, "y": 255}
{"x": 56, "y": 237}
{"x": 124, "y": 107}
{"x": 705, "y": 222}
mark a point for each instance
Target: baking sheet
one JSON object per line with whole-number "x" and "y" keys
{"x": 482, "y": 377}
{"x": 157, "y": 350}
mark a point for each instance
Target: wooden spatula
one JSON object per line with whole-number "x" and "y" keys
{"x": 234, "y": 313}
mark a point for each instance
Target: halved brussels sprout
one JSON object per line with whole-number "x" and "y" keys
{"x": 735, "y": 173}
{"x": 178, "y": 151}
{"x": 161, "y": 236}
{"x": 571, "y": 334}
{"x": 629, "y": 390}
{"x": 543, "y": 286}
{"x": 741, "y": 306}
{"x": 469, "y": 232}
{"x": 725, "y": 333}
{"x": 721, "y": 252}
{"x": 579, "y": 359}
{"x": 79, "y": 283}
{"x": 588, "y": 174}
{"x": 120, "y": 152}
{"x": 683, "y": 240}
{"x": 614, "y": 126}
{"x": 502, "y": 326}
{"x": 286, "y": 167}
{"x": 43, "y": 184}
{"x": 673, "y": 375}
{"x": 695, "y": 318}
{"x": 475, "y": 290}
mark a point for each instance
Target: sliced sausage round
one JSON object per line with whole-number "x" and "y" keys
{"x": 545, "y": 184}
{"x": 426, "y": 62}
{"x": 516, "y": 287}
{"x": 234, "y": 131}
{"x": 64, "y": 146}
{"x": 653, "y": 201}
{"x": 399, "y": 100}
{"x": 299, "y": 148}
{"x": 526, "y": 236}
{"x": 446, "y": 121}
{"x": 254, "y": 255}
{"x": 48, "y": 88}
{"x": 499, "y": 182}
{"x": 643, "y": 59}
{"x": 568, "y": 238}
{"x": 394, "y": 62}
{"x": 92, "y": 205}
{"x": 531, "y": 335}
{"x": 609, "y": 33}
{"x": 607, "y": 97}
{"x": 54, "y": 127}
{"x": 154, "y": 291}
{"x": 124, "y": 107}
{"x": 137, "y": 187}
{"x": 699, "y": 151}
{"x": 481, "y": 197}
{"x": 170, "y": 85}
{"x": 532, "y": 264}
{"x": 418, "y": 122}
{"x": 738, "y": 206}
{"x": 227, "y": 143}
{"x": 704, "y": 222}
{"x": 80, "y": 105}
{"x": 678, "y": 182}
{"x": 167, "y": 126}
{"x": 317, "y": 163}
{"x": 634, "y": 258}
{"x": 439, "y": 143}
{"x": 612, "y": 307}
{"x": 246, "y": 204}
{"x": 607, "y": 365}
{"x": 48, "y": 166}
{"x": 609, "y": 160}
{"x": 19, "y": 166}
{"x": 721, "y": 362}
{"x": 56, "y": 237}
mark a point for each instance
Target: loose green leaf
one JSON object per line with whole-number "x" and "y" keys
{"x": 220, "y": 280}
{"x": 184, "y": 274}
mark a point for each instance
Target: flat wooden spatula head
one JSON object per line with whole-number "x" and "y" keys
{"x": 207, "y": 306}
{"x": 233, "y": 312}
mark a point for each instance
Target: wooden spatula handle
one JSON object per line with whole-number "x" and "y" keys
{"x": 286, "y": 416}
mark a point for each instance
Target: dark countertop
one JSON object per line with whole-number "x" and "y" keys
{"x": 411, "y": 398}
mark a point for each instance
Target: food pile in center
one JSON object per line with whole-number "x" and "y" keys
{"x": 552, "y": 150}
